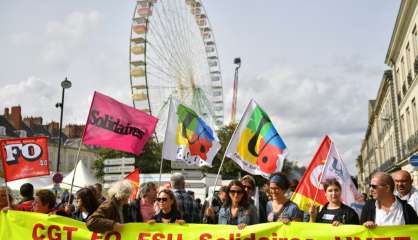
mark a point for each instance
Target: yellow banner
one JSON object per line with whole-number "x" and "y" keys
{"x": 23, "y": 225}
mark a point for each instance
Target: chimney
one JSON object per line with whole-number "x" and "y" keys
{"x": 6, "y": 113}
{"x": 31, "y": 121}
{"x": 53, "y": 128}
{"x": 16, "y": 117}
{"x": 73, "y": 131}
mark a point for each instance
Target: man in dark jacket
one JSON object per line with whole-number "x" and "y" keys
{"x": 185, "y": 202}
{"x": 385, "y": 209}
{"x": 111, "y": 214}
{"x": 142, "y": 208}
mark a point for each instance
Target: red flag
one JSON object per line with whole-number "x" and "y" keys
{"x": 307, "y": 189}
{"x": 117, "y": 126}
{"x": 24, "y": 157}
{"x": 134, "y": 178}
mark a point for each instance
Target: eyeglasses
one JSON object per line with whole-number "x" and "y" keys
{"x": 248, "y": 186}
{"x": 164, "y": 199}
{"x": 374, "y": 186}
{"x": 232, "y": 192}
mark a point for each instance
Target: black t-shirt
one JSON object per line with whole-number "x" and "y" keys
{"x": 173, "y": 216}
{"x": 328, "y": 215}
{"x": 344, "y": 215}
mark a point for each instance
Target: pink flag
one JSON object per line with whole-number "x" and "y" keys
{"x": 114, "y": 125}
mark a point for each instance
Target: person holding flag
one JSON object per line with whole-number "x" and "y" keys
{"x": 326, "y": 164}
{"x": 237, "y": 209}
{"x": 281, "y": 209}
{"x": 334, "y": 211}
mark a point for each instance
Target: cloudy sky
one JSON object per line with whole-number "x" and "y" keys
{"x": 312, "y": 65}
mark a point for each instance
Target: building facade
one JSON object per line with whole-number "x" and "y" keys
{"x": 395, "y": 115}
{"x": 12, "y": 125}
{"x": 380, "y": 149}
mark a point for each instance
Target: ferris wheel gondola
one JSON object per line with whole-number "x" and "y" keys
{"x": 173, "y": 53}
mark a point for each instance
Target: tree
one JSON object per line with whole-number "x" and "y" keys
{"x": 148, "y": 161}
{"x": 105, "y": 153}
{"x": 229, "y": 168}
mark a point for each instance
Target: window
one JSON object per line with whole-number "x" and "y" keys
{"x": 414, "y": 116}
{"x": 21, "y": 133}
{"x": 2, "y": 131}
{"x": 409, "y": 60}
{"x": 403, "y": 69}
{"x": 392, "y": 148}
{"x": 414, "y": 42}
{"x": 403, "y": 128}
{"x": 398, "y": 78}
{"x": 408, "y": 123}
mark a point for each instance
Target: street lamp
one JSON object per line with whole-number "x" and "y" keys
{"x": 237, "y": 61}
{"x": 64, "y": 84}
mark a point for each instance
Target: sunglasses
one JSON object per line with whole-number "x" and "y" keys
{"x": 164, "y": 199}
{"x": 232, "y": 192}
{"x": 248, "y": 187}
{"x": 375, "y": 186}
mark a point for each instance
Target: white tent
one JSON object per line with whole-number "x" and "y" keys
{"x": 83, "y": 178}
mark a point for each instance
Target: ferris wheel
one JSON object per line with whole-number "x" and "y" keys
{"x": 173, "y": 53}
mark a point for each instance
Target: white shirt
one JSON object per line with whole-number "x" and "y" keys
{"x": 393, "y": 217}
{"x": 411, "y": 198}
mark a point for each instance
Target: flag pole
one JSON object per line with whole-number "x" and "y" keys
{"x": 226, "y": 149}
{"x": 75, "y": 169}
{"x": 161, "y": 161}
{"x": 162, "y": 150}
{"x": 322, "y": 173}
{"x": 161, "y": 170}
{"x": 7, "y": 194}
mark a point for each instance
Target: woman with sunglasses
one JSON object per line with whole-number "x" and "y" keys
{"x": 237, "y": 209}
{"x": 86, "y": 203}
{"x": 168, "y": 209}
{"x": 280, "y": 208}
{"x": 334, "y": 211}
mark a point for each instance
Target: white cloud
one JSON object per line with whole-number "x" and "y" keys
{"x": 306, "y": 103}
{"x": 36, "y": 97}
{"x": 65, "y": 39}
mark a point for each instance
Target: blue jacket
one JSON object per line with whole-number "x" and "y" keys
{"x": 245, "y": 215}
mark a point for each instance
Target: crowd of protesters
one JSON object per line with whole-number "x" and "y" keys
{"x": 394, "y": 201}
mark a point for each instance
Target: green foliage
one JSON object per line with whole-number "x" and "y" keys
{"x": 105, "y": 153}
{"x": 147, "y": 162}
{"x": 150, "y": 159}
{"x": 229, "y": 168}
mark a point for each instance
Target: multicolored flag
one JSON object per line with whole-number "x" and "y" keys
{"x": 309, "y": 187}
{"x": 188, "y": 138}
{"x": 256, "y": 146}
{"x": 114, "y": 125}
{"x": 134, "y": 178}
{"x": 335, "y": 168}
{"x": 24, "y": 157}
